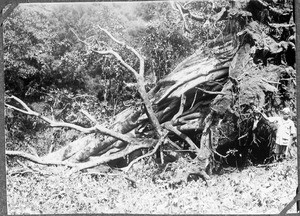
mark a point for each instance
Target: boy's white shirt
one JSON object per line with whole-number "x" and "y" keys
{"x": 285, "y": 130}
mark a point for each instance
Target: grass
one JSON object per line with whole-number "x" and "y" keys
{"x": 266, "y": 189}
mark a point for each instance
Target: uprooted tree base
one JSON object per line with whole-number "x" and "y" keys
{"x": 206, "y": 106}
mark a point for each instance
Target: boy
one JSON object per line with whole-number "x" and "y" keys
{"x": 286, "y": 132}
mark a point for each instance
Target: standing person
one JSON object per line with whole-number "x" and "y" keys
{"x": 286, "y": 132}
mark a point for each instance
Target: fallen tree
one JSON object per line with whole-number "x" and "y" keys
{"x": 208, "y": 102}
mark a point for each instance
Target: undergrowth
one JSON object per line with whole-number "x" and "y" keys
{"x": 255, "y": 189}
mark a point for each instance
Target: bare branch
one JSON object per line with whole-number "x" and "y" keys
{"x": 177, "y": 6}
{"x": 126, "y": 169}
{"x": 195, "y": 125}
{"x": 194, "y": 100}
{"x": 141, "y": 71}
{"x": 145, "y": 143}
{"x": 171, "y": 128}
{"x": 142, "y": 67}
{"x": 139, "y": 77}
{"x": 188, "y": 117}
{"x": 36, "y": 159}
{"x": 33, "y": 150}
{"x": 122, "y": 44}
{"x": 173, "y": 144}
{"x": 108, "y": 52}
{"x": 220, "y": 155}
{"x": 114, "y": 134}
{"x": 51, "y": 148}
{"x": 53, "y": 123}
{"x": 187, "y": 3}
{"x": 111, "y": 36}
{"x": 184, "y": 11}
{"x": 89, "y": 116}
{"x": 180, "y": 111}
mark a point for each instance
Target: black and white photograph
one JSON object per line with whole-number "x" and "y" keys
{"x": 150, "y": 107}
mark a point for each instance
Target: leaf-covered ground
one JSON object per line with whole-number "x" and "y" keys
{"x": 256, "y": 189}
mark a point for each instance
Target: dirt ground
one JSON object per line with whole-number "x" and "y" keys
{"x": 255, "y": 189}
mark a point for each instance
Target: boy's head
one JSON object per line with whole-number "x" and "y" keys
{"x": 286, "y": 113}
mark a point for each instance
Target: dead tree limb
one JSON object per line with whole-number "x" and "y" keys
{"x": 36, "y": 159}
{"x": 169, "y": 127}
{"x": 145, "y": 143}
{"x": 139, "y": 76}
{"x": 53, "y": 123}
{"x": 158, "y": 144}
{"x": 181, "y": 108}
{"x": 83, "y": 148}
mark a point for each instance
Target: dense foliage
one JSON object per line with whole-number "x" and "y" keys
{"x": 42, "y": 53}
